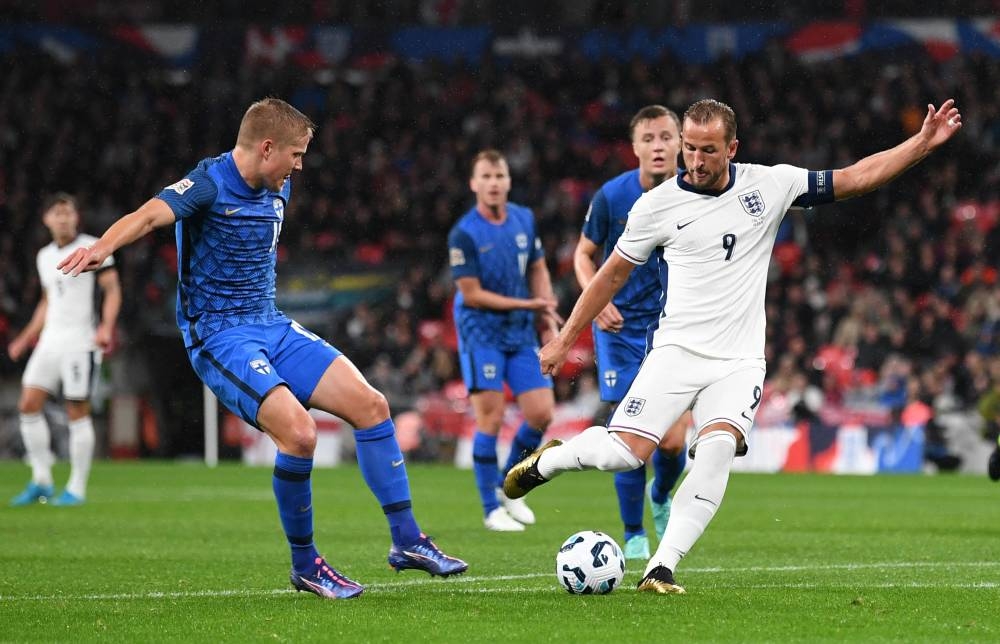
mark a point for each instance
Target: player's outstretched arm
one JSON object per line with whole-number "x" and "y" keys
{"x": 608, "y": 280}
{"x": 585, "y": 267}
{"x": 879, "y": 169}
{"x": 155, "y": 213}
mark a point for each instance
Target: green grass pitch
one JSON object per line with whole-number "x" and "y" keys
{"x": 178, "y": 552}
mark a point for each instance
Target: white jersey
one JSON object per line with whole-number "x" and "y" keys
{"x": 71, "y": 318}
{"x": 717, "y": 245}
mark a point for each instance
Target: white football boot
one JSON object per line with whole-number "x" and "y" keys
{"x": 499, "y": 521}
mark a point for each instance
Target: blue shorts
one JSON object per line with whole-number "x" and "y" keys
{"x": 242, "y": 364}
{"x": 618, "y": 358}
{"x": 486, "y": 369}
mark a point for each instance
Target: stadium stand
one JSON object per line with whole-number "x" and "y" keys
{"x": 883, "y": 310}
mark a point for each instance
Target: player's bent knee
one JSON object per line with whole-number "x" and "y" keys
{"x": 539, "y": 421}
{"x": 301, "y": 439}
{"x": 372, "y": 409}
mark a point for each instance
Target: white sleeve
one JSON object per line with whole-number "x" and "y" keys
{"x": 641, "y": 234}
{"x": 792, "y": 181}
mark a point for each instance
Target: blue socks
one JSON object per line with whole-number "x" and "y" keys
{"x": 631, "y": 486}
{"x": 381, "y": 463}
{"x": 526, "y": 440}
{"x": 293, "y": 491}
{"x": 667, "y": 469}
{"x": 484, "y": 466}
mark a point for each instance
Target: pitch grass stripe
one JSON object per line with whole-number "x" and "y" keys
{"x": 448, "y": 585}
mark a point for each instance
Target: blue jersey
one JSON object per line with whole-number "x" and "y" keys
{"x": 639, "y": 300}
{"x": 227, "y": 240}
{"x": 499, "y": 255}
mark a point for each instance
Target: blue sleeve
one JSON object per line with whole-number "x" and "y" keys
{"x": 194, "y": 193}
{"x": 462, "y": 254}
{"x": 595, "y": 225}
{"x": 820, "y": 190}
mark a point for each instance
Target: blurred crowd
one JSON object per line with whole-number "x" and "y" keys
{"x": 885, "y": 299}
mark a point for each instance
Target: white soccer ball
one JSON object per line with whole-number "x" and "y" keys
{"x": 590, "y": 563}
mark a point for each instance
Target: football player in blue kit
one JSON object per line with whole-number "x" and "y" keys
{"x": 503, "y": 286}
{"x": 228, "y": 213}
{"x": 621, "y": 329}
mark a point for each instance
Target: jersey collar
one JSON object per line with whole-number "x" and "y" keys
{"x": 684, "y": 185}
{"x": 236, "y": 179}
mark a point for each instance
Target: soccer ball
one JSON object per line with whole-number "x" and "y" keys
{"x": 590, "y": 563}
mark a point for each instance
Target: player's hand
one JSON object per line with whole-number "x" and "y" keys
{"x": 81, "y": 260}
{"x": 941, "y": 124}
{"x": 553, "y": 355}
{"x": 552, "y": 318}
{"x": 17, "y": 348}
{"x": 610, "y": 319}
{"x": 104, "y": 338}
{"x": 542, "y": 304}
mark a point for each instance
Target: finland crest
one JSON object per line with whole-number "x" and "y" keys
{"x": 633, "y": 406}
{"x": 753, "y": 204}
{"x": 489, "y": 371}
{"x": 260, "y": 366}
{"x": 610, "y": 377}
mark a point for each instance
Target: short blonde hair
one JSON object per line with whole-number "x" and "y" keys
{"x": 707, "y": 110}
{"x": 489, "y": 155}
{"x": 275, "y": 119}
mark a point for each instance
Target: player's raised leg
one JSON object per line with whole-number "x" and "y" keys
{"x": 36, "y": 436}
{"x": 343, "y": 391}
{"x": 595, "y": 448}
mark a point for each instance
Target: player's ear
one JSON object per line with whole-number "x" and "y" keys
{"x": 267, "y": 148}
{"x": 735, "y": 143}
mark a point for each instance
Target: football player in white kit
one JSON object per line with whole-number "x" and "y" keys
{"x": 715, "y": 226}
{"x": 70, "y": 343}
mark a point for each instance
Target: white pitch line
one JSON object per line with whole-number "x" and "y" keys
{"x": 449, "y": 585}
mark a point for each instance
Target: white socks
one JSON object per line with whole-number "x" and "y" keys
{"x": 697, "y": 499}
{"x": 594, "y": 448}
{"x": 81, "y": 455}
{"x": 36, "y": 437}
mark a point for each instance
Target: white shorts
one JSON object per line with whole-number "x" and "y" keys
{"x": 672, "y": 380}
{"x": 75, "y": 370}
